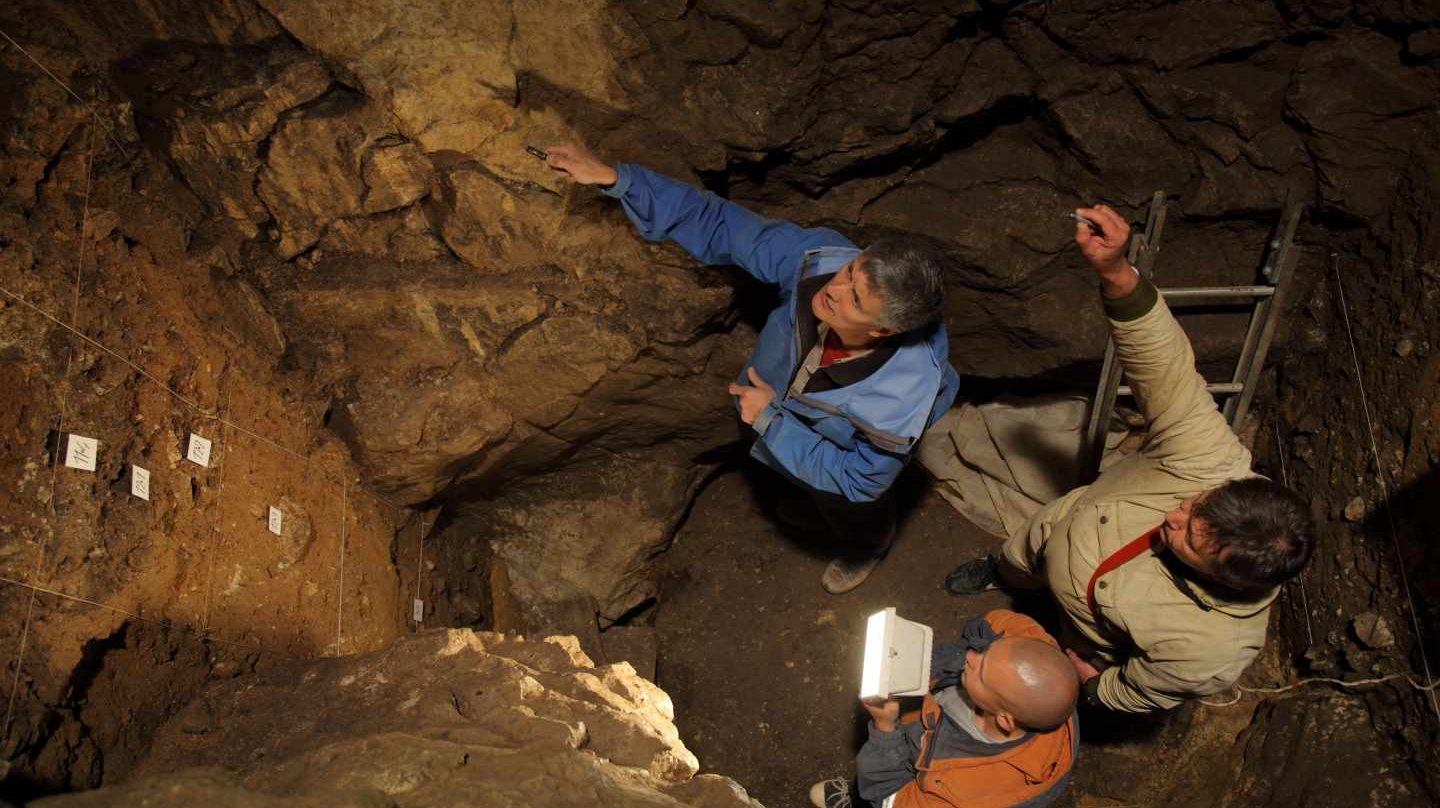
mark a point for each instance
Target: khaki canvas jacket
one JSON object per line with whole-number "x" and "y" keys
{"x": 1166, "y": 636}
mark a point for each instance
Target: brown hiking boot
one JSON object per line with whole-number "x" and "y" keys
{"x": 845, "y": 574}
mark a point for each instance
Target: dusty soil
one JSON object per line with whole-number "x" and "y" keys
{"x": 762, "y": 663}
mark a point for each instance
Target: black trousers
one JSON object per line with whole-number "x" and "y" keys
{"x": 862, "y": 530}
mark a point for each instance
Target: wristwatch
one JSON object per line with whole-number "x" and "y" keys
{"x": 1090, "y": 693}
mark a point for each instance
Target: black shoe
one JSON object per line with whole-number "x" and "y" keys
{"x": 974, "y": 577}
{"x": 832, "y": 793}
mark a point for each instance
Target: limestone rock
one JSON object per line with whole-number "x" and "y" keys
{"x": 484, "y": 220}
{"x": 1355, "y": 510}
{"x": 1118, "y": 140}
{"x": 1224, "y": 112}
{"x": 1424, "y": 44}
{"x": 459, "y": 89}
{"x": 403, "y": 236}
{"x": 249, "y": 312}
{"x": 334, "y": 159}
{"x": 1373, "y": 631}
{"x": 217, "y": 143}
{"x": 1362, "y": 118}
{"x": 395, "y": 173}
{"x": 550, "y": 540}
{"x": 1164, "y": 35}
{"x": 444, "y": 718}
{"x": 1334, "y": 728}
{"x": 468, "y": 65}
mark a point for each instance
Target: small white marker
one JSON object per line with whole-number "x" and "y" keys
{"x": 199, "y": 450}
{"x": 419, "y": 611}
{"x": 274, "y": 521}
{"x": 80, "y": 452}
{"x": 140, "y": 482}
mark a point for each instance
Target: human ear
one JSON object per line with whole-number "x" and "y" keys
{"x": 1005, "y": 721}
{"x": 881, "y": 333}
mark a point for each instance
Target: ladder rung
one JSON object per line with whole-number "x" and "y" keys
{"x": 1214, "y": 388}
{"x": 1187, "y": 294}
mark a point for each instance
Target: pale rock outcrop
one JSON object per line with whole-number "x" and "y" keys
{"x": 338, "y": 158}
{"x": 446, "y": 718}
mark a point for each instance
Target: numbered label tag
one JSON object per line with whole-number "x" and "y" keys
{"x": 80, "y": 452}
{"x": 198, "y": 452}
{"x": 140, "y": 482}
{"x": 274, "y": 520}
{"x": 419, "y": 610}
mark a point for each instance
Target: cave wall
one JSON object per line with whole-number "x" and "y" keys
{"x": 119, "y": 323}
{"x": 315, "y": 221}
{"x": 1355, "y": 428}
{"x": 977, "y": 122}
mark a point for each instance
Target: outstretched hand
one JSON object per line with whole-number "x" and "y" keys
{"x": 1105, "y": 250}
{"x": 752, "y": 399}
{"x": 581, "y": 164}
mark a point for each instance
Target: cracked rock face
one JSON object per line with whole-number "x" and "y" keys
{"x": 342, "y": 186}
{"x": 475, "y": 319}
{"x": 446, "y": 718}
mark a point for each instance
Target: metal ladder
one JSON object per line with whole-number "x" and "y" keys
{"x": 1264, "y": 299}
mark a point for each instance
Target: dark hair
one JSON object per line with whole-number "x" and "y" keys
{"x": 1263, "y": 532}
{"x": 908, "y": 273}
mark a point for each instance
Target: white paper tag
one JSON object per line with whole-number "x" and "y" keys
{"x": 140, "y": 482}
{"x": 199, "y": 450}
{"x": 275, "y": 520}
{"x": 80, "y": 452}
{"x": 419, "y": 610}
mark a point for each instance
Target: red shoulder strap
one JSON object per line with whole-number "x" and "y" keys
{"x": 1117, "y": 559}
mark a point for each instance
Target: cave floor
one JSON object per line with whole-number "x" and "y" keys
{"x": 762, "y": 663}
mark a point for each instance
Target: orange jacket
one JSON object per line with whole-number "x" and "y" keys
{"x": 1011, "y": 777}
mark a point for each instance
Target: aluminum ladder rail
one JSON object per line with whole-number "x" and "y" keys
{"x": 1264, "y": 299}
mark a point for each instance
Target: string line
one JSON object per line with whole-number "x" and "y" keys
{"x": 1241, "y": 690}
{"x": 203, "y": 634}
{"x": 89, "y": 108}
{"x": 1384, "y": 488}
{"x": 1285, "y": 480}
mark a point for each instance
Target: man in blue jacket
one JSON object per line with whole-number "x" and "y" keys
{"x": 850, "y": 368}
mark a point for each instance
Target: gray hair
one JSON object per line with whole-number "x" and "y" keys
{"x": 908, "y": 273}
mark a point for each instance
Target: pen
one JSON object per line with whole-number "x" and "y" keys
{"x": 1078, "y": 219}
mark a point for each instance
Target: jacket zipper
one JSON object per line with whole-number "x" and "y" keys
{"x": 795, "y": 325}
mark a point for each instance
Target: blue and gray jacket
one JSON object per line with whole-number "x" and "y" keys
{"x": 850, "y": 439}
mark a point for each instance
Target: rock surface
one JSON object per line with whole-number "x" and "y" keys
{"x": 319, "y": 216}
{"x": 445, "y": 718}
{"x": 473, "y": 319}
{"x": 1333, "y": 728}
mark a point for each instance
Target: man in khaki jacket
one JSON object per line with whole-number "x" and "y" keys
{"x": 1167, "y": 565}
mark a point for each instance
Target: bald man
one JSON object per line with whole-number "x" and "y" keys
{"x": 997, "y": 729}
